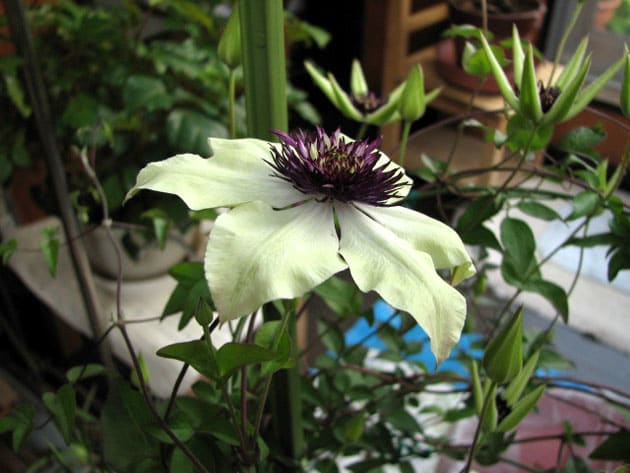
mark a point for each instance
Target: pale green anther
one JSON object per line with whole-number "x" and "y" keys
{"x": 514, "y": 390}
{"x": 503, "y": 358}
{"x": 530, "y": 97}
{"x": 573, "y": 66}
{"x": 412, "y": 103}
{"x": 499, "y": 75}
{"x": 229, "y": 48}
{"x": 358, "y": 84}
{"x": 562, "y": 106}
{"x": 624, "y": 94}
{"x": 518, "y": 56}
{"x": 587, "y": 94}
{"x": 521, "y": 409}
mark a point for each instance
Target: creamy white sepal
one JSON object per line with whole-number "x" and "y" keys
{"x": 256, "y": 254}
{"x": 427, "y": 235}
{"x": 234, "y": 175}
{"x": 405, "y": 278}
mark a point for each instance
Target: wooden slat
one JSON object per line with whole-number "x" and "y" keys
{"x": 427, "y": 17}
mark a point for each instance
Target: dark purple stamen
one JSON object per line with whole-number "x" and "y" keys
{"x": 331, "y": 169}
{"x": 548, "y": 96}
{"x": 367, "y": 103}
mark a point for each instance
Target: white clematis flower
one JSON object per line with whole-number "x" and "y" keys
{"x": 308, "y": 208}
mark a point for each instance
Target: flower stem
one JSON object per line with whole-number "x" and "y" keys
{"x": 473, "y": 446}
{"x": 264, "y": 71}
{"x": 403, "y": 143}
{"x": 232, "y": 103}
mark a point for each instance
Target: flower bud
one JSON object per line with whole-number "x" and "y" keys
{"x": 521, "y": 409}
{"x": 412, "y": 103}
{"x": 503, "y": 358}
{"x": 229, "y": 48}
{"x": 624, "y": 96}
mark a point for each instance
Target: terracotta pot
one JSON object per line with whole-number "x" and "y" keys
{"x": 605, "y": 11}
{"x": 529, "y": 20}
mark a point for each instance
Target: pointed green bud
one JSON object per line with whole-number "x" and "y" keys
{"x": 229, "y": 48}
{"x": 573, "y": 66}
{"x": 514, "y": 390}
{"x": 322, "y": 82}
{"x": 343, "y": 102}
{"x": 530, "y": 98}
{"x": 518, "y": 56}
{"x": 503, "y": 358}
{"x": 521, "y": 409}
{"x": 562, "y": 105}
{"x": 413, "y": 103}
{"x": 624, "y": 95}
{"x": 358, "y": 84}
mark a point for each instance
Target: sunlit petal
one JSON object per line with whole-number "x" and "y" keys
{"x": 257, "y": 254}
{"x": 379, "y": 260}
{"x": 425, "y": 234}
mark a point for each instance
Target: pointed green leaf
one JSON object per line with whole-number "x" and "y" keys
{"x": 518, "y": 56}
{"x": 565, "y": 101}
{"x": 499, "y": 75}
{"x": 49, "y": 244}
{"x": 530, "y": 98}
{"x": 322, "y": 82}
{"x": 555, "y": 294}
{"x": 341, "y": 296}
{"x": 519, "y": 243}
{"x": 574, "y": 65}
{"x": 232, "y": 356}
{"x": 521, "y": 409}
{"x": 344, "y": 103}
{"x": 585, "y": 203}
{"x": 267, "y": 336}
{"x": 514, "y": 390}
{"x": 85, "y": 371}
{"x": 491, "y": 415}
{"x": 538, "y": 210}
{"x": 196, "y": 353}
{"x": 589, "y": 93}
{"x": 624, "y": 93}
{"x": 524, "y": 134}
{"x": 62, "y": 406}
{"x": 7, "y": 248}
{"x": 503, "y": 358}
{"x": 350, "y": 429}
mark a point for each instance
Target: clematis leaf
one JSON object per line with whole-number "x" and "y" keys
{"x": 405, "y": 278}
{"x": 257, "y": 254}
{"x": 425, "y": 234}
{"x": 503, "y": 358}
{"x": 223, "y": 180}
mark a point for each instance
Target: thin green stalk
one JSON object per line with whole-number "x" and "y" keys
{"x": 402, "y": 151}
{"x": 264, "y": 70}
{"x": 473, "y": 446}
{"x": 232, "y": 103}
{"x": 563, "y": 40}
{"x": 362, "y": 131}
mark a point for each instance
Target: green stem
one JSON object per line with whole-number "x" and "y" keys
{"x": 402, "y": 151}
{"x": 563, "y": 40}
{"x": 264, "y": 70}
{"x": 362, "y": 131}
{"x": 232, "y": 103}
{"x": 473, "y": 446}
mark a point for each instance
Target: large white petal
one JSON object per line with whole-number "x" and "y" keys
{"x": 381, "y": 261}
{"x": 235, "y": 174}
{"x": 256, "y": 254}
{"x": 425, "y": 234}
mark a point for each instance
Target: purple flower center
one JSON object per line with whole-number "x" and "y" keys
{"x": 330, "y": 168}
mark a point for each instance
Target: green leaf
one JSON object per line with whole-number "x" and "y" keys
{"x": 85, "y": 371}
{"x": 196, "y": 353}
{"x": 81, "y": 111}
{"x": 538, "y": 210}
{"x": 203, "y": 314}
{"x": 503, "y": 358}
{"x": 146, "y": 92}
{"x": 49, "y": 244}
{"x": 614, "y": 448}
{"x": 585, "y": 203}
{"x": 233, "y": 356}
{"x": 619, "y": 260}
{"x": 350, "y": 429}
{"x": 7, "y": 248}
{"x": 161, "y": 224}
{"x": 187, "y": 272}
{"x": 15, "y": 91}
{"x": 581, "y": 140}
{"x": 188, "y": 131}
{"x": 525, "y": 134}
{"x": 144, "y": 371}
{"x": 20, "y": 422}
{"x": 342, "y": 297}
{"x": 521, "y": 409}
{"x": 62, "y": 406}
{"x": 266, "y": 337}
{"x": 519, "y": 243}
{"x": 514, "y": 390}
{"x": 331, "y": 336}
{"x": 555, "y": 294}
